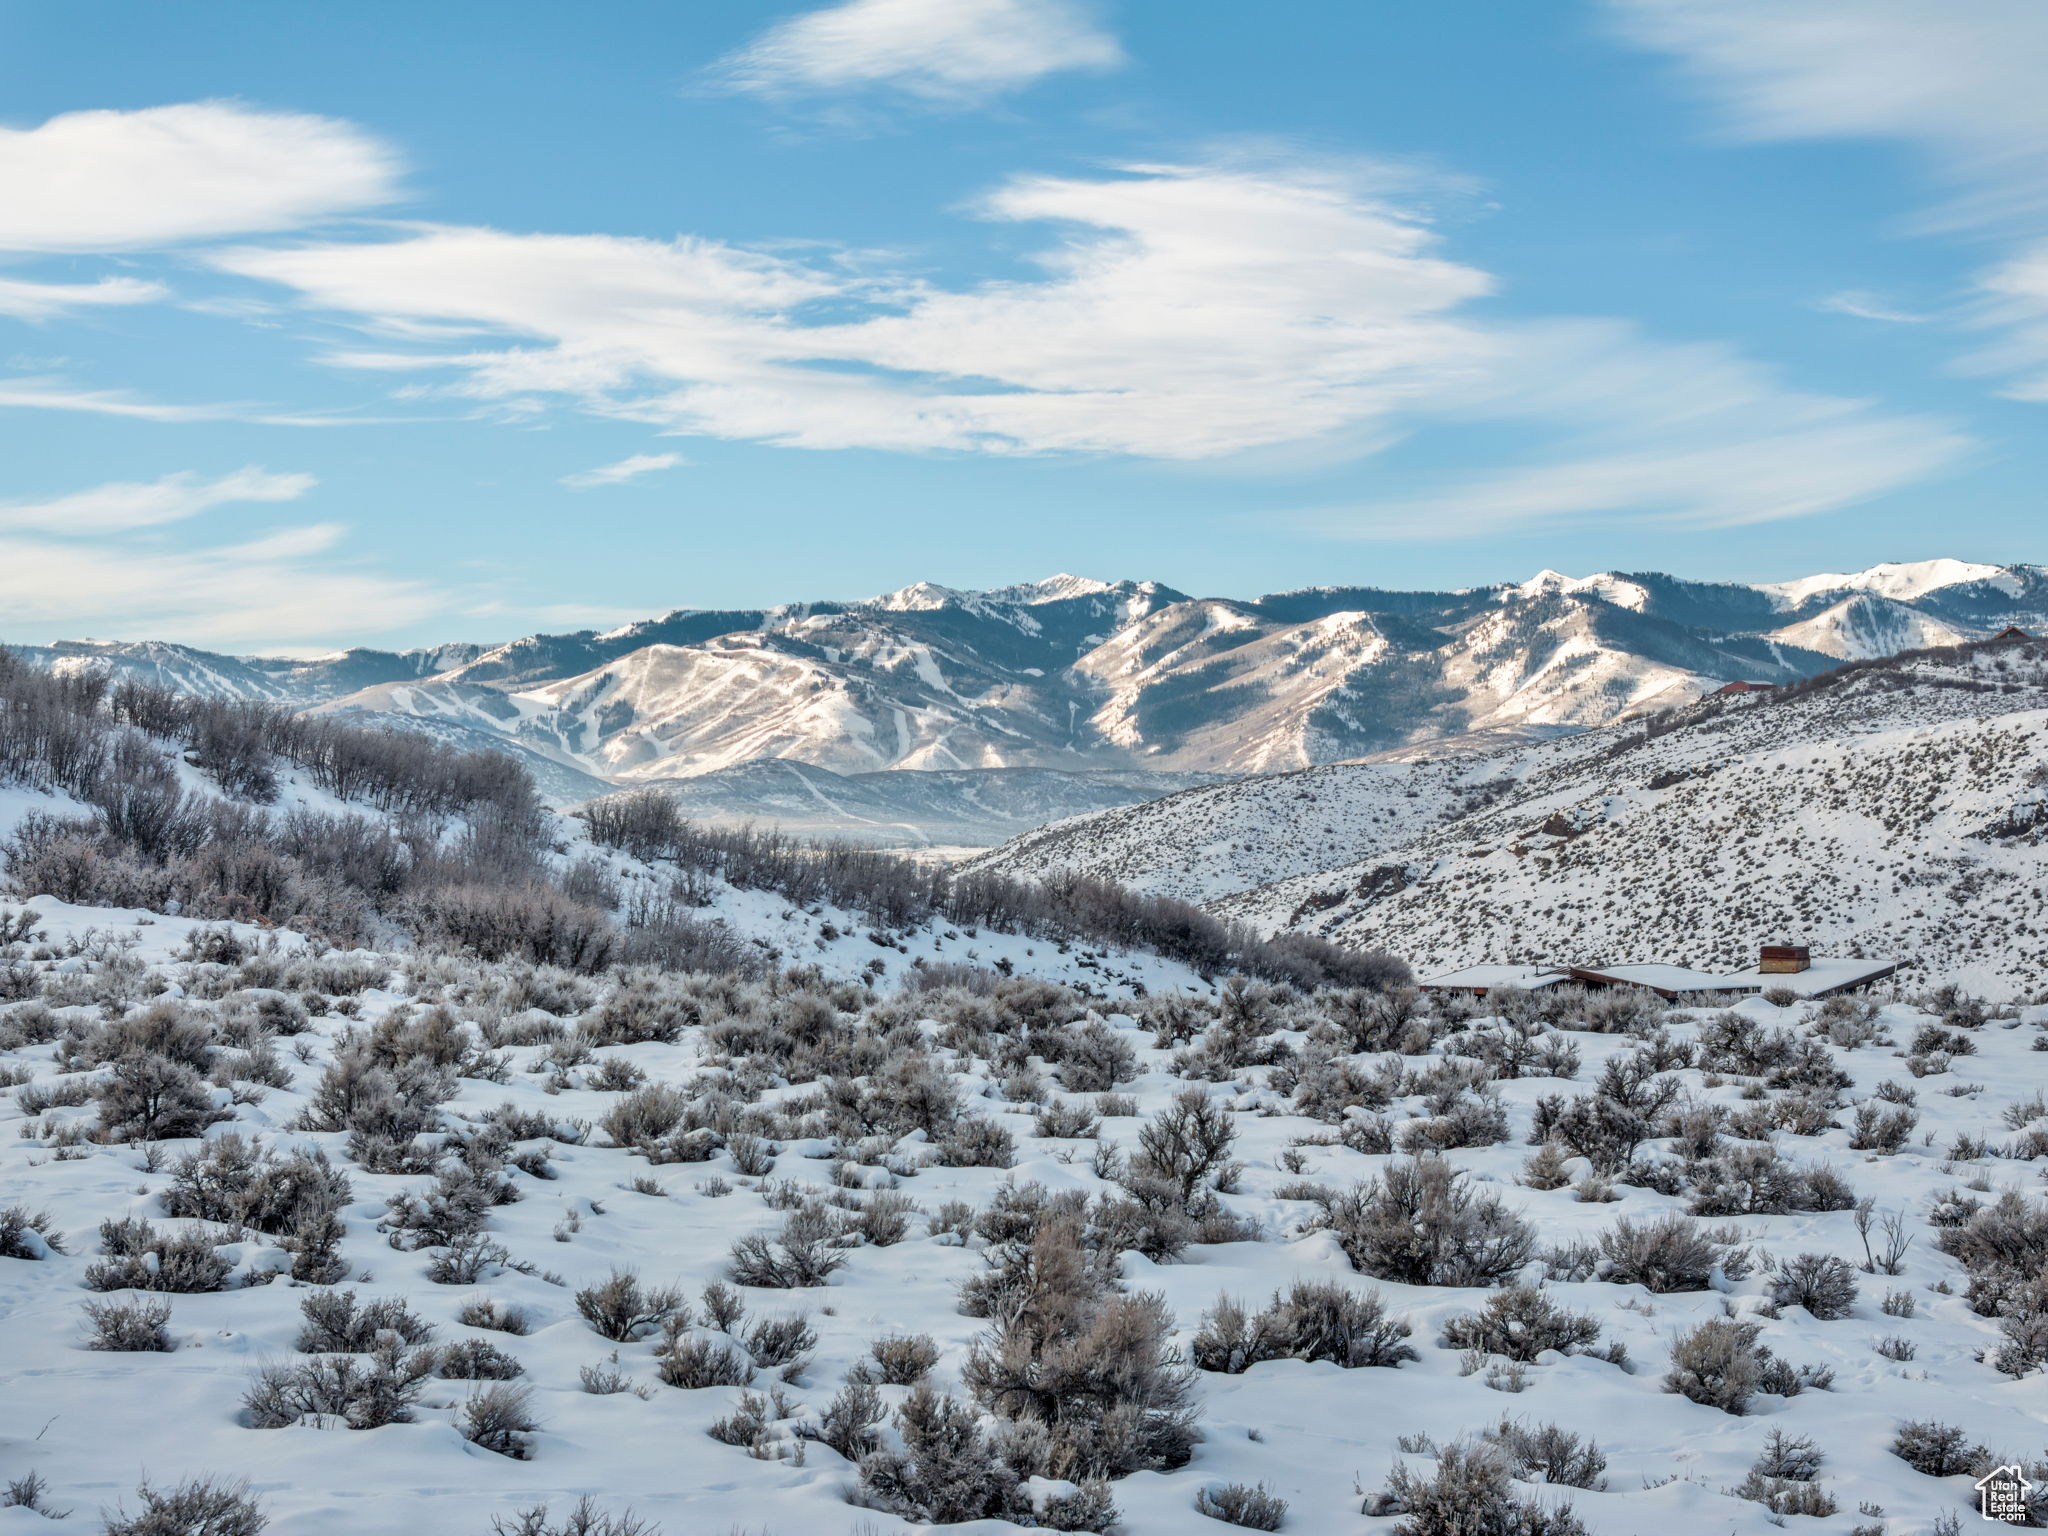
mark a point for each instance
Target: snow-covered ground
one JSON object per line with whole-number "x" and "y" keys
{"x": 94, "y": 1424}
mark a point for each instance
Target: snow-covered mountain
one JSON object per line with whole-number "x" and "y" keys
{"x": 1075, "y": 674}
{"x": 1891, "y": 808}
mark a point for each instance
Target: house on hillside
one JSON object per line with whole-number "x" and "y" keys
{"x": 1796, "y": 969}
{"x": 1478, "y": 980}
{"x": 1741, "y": 687}
{"x": 1792, "y": 967}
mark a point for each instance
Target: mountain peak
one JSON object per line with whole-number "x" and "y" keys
{"x": 1900, "y": 580}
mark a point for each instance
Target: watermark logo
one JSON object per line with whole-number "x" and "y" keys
{"x": 2002, "y": 1495}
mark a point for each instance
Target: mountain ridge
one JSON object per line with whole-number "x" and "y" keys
{"x": 1076, "y": 674}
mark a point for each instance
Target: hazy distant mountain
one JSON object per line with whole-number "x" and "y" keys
{"x": 1082, "y": 676}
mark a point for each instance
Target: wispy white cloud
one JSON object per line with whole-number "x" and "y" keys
{"x": 945, "y": 52}
{"x": 44, "y": 393}
{"x": 1959, "y": 87}
{"x": 45, "y": 301}
{"x": 126, "y": 504}
{"x": 1862, "y": 305}
{"x": 87, "y": 564}
{"x": 1188, "y": 312}
{"x": 121, "y": 181}
{"x": 625, "y": 469}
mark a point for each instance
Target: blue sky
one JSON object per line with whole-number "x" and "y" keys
{"x": 394, "y": 323}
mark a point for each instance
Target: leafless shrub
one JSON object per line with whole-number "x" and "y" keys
{"x": 1187, "y": 1146}
{"x": 1548, "y": 1454}
{"x": 477, "y": 1360}
{"x": 488, "y": 1312}
{"x": 27, "y": 1234}
{"x": 1254, "y": 1508}
{"x": 897, "y": 1361}
{"x": 948, "y": 1470}
{"x": 1327, "y": 1321}
{"x": 334, "y": 1324}
{"x": 646, "y": 1115}
{"x": 1520, "y": 1322}
{"x": 200, "y": 1506}
{"x": 800, "y": 1255}
{"x": 1666, "y": 1253}
{"x": 774, "y": 1341}
{"x": 1820, "y": 1282}
{"x": 500, "y": 1418}
{"x": 1093, "y": 1374}
{"x": 130, "y": 1326}
{"x": 1721, "y": 1364}
{"x": 1939, "y": 1450}
{"x": 972, "y": 1142}
{"x": 692, "y": 1363}
{"x": 154, "y": 1098}
{"x": 620, "y": 1308}
{"x": 849, "y": 1419}
{"x": 243, "y": 1183}
{"x": 1420, "y": 1223}
{"x": 1471, "y": 1494}
{"x": 362, "y": 1392}
{"x": 884, "y": 1218}
{"x": 584, "y": 1519}
{"x": 140, "y": 1258}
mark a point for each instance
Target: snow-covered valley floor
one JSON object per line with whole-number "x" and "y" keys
{"x": 534, "y": 1118}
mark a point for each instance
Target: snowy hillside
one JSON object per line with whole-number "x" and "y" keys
{"x": 1884, "y": 810}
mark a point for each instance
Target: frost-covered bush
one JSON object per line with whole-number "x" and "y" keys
{"x": 1820, "y": 1282}
{"x": 1093, "y": 1058}
{"x": 1881, "y": 1128}
{"x": 1472, "y": 1493}
{"x": 200, "y": 1506}
{"x": 973, "y": 1142}
{"x": 583, "y": 1518}
{"x": 1311, "y": 1321}
{"x": 948, "y": 1471}
{"x": 244, "y": 1183}
{"x": 799, "y": 1256}
{"x": 897, "y": 1361}
{"x": 1255, "y": 1508}
{"x": 1186, "y": 1146}
{"x": 1421, "y": 1223}
{"x": 1782, "y": 1477}
{"x": 477, "y": 1360}
{"x": 691, "y": 1362}
{"x": 27, "y": 1234}
{"x": 1083, "y": 1370}
{"x": 620, "y": 1308}
{"x": 1721, "y": 1364}
{"x": 335, "y": 1323}
{"x": 499, "y": 1418}
{"x": 1666, "y": 1253}
{"x": 645, "y": 1115}
{"x": 130, "y": 1326}
{"x": 147, "y": 1097}
{"x": 1544, "y": 1453}
{"x": 364, "y": 1392}
{"x": 140, "y": 1258}
{"x": 1939, "y": 1450}
{"x": 1752, "y": 1180}
{"x": 1520, "y": 1322}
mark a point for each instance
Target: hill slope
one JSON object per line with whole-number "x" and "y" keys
{"x": 1887, "y": 809}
